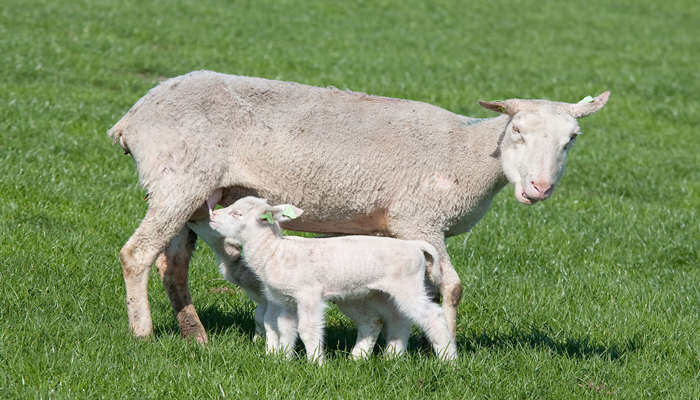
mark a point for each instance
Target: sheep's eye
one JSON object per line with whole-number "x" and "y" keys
{"x": 516, "y": 129}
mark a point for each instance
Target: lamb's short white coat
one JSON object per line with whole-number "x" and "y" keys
{"x": 372, "y": 314}
{"x": 300, "y": 276}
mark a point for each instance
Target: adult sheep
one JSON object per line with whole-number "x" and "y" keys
{"x": 357, "y": 164}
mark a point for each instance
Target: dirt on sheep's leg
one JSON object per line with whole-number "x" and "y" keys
{"x": 451, "y": 292}
{"x": 173, "y": 267}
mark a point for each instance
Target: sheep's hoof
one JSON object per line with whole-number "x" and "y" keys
{"x": 199, "y": 337}
{"x": 191, "y": 328}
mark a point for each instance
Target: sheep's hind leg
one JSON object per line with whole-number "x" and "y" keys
{"x": 165, "y": 218}
{"x": 451, "y": 285}
{"x": 450, "y": 290}
{"x": 173, "y": 267}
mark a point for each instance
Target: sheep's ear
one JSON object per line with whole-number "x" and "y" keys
{"x": 588, "y": 105}
{"x": 502, "y": 106}
{"x": 284, "y": 212}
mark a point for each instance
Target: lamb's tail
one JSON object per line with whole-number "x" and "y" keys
{"x": 432, "y": 262}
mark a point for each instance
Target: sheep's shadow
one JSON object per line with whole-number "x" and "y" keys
{"x": 541, "y": 338}
{"x": 215, "y": 321}
{"x": 340, "y": 337}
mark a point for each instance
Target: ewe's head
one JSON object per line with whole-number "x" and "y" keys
{"x": 537, "y": 140}
{"x": 251, "y": 214}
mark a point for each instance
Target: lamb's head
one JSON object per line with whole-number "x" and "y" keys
{"x": 537, "y": 139}
{"x": 250, "y": 215}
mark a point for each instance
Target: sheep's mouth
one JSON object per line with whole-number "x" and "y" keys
{"x": 522, "y": 197}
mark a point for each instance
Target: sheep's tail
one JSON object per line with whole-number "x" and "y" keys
{"x": 432, "y": 262}
{"x": 117, "y": 134}
{"x": 118, "y": 130}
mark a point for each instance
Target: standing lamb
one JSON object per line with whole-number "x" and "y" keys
{"x": 357, "y": 164}
{"x": 372, "y": 314}
{"x": 301, "y": 275}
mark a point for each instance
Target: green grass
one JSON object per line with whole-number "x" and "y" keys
{"x": 593, "y": 293}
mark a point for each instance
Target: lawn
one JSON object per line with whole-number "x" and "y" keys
{"x": 594, "y": 293}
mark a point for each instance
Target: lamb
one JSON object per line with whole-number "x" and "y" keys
{"x": 357, "y": 164}
{"x": 300, "y": 275}
{"x": 373, "y": 314}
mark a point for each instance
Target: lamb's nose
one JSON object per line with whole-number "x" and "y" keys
{"x": 543, "y": 189}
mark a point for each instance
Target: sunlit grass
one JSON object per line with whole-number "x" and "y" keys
{"x": 592, "y": 293}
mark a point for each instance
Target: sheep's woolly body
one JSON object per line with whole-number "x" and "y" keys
{"x": 356, "y": 163}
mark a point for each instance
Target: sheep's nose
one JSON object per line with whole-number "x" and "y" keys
{"x": 543, "y": 189}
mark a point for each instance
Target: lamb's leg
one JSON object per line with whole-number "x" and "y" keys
{"x": 259, "y": 322}
{"x": 451, "y": 286}
{"x": 173, "y": 266}
{"x": 368, "y": 323}
{"x": 310, "y": 314}
{"x": 430, "y": 318}
{"x": 287, "y": 325}
{"x": 260, "y": 308}
{"x": 397, "y": 330}
{"x": 272, "y": 335}
{"x": 255, "y": 294}
{"x": 166, "y": 216}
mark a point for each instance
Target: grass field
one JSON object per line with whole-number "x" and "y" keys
{"x": 594, "y": 293}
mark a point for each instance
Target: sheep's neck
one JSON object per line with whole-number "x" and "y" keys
{"x": 260, "y": 246}
{"x": 480, "y": 145}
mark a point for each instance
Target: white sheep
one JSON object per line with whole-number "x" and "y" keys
{"x": 357, "y": 164}
{"x": 372, "y": 314}
{"x": 301, "y": 275}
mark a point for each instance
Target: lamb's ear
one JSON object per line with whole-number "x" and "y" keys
{"x": 285, "y": 212}
{"x": 588, "y": 105}
{"x": 509, "y": 107}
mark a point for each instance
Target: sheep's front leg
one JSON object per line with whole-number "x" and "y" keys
{"x": 310, "y": 312}
{"x": 173, "y": 267}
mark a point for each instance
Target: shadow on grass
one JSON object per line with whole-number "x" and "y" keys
{"x": 215, "y": 321}
{"x": 340, "y": 338}
{"x": 537, "y": 338}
